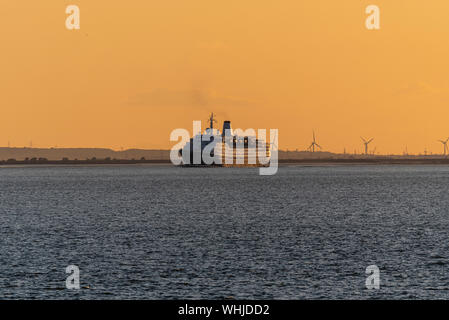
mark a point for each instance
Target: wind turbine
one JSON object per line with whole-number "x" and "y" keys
{"x": 314, "y": 144}
{"x": 366, "y": 143}
{"x": 444, "y": 142}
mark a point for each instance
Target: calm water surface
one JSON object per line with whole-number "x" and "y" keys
{"x": 161, "y": 232}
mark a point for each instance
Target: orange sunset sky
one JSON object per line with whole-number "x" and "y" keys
{"x": 138, "y": 69}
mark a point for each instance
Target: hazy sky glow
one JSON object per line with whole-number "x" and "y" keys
{"x": 137, "y": 70}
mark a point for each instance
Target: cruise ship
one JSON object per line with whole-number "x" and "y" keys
{"x": 226, "y": 148}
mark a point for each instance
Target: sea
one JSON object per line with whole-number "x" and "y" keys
{"x": 166, "y": 232}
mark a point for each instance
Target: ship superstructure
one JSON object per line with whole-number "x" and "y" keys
{"x": 226, "y": 148}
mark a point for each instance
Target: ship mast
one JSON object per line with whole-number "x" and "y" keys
{"x": 212, "y": 120}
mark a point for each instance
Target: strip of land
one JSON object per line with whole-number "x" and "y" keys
{"x": 88, "y": 156}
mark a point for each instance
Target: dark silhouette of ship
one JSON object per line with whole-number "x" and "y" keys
{"x": 232, "y": 150}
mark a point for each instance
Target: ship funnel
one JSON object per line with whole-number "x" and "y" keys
{"x": 226, "y": 126}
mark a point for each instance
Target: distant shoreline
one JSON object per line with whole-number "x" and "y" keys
{"x": 322, "y": 161}
{"x": 369, "y": 161}
{"x": 80, "y": 162}
{"x": 103, "y": 156}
